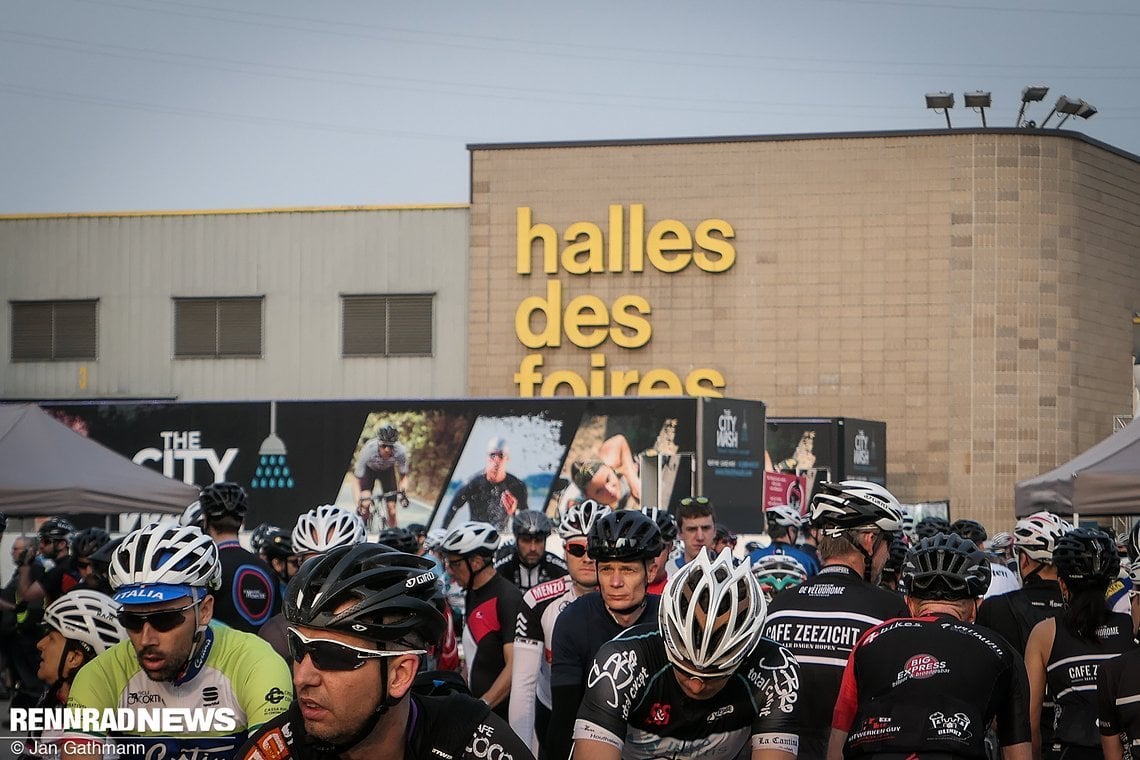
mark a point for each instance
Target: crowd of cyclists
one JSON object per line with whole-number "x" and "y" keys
{"x": 855, "y": 631}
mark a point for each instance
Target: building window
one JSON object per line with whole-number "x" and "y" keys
{"x": 389, "y": 325}
{"x": 216, "y": 328}
{"x": 53, "y": 331}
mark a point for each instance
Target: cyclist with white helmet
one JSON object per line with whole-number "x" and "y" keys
{"x": 822, "y": 619}
{"x": 316, "y": 532}
{"x": 699, "y": 682}
{"x": 778, "y": 572}
{"x": 1004, "y": 580}
{"x": 929, "y": 685}
{"x": 492, "y": 606}
{"x": 530, "y": 702}
{"x": 784, "y": 523}
{"x": 528, "y": 563}
{"x": 360, "y": 619}
{"x": 625, "y": 544}
{"x": 175, "y": 656}
{"x": 385, "y": 459}
{"x": 77, "y": 627}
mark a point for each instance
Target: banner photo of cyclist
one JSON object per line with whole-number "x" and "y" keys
{"x": 507, "y": 466}
{"x": 400, "y": 465}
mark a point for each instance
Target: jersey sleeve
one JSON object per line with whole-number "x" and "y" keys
{"x": 776, "y": 724}
{"x": 493, "y": 739}
{"x": 524, "y": 686}
{"x": 847, "y": 703}
{"x": 263, "y": 683}
{"x": 362, "y": 459}
{"x": 606, "y": 704}
{"x": 1013, "y": 725}
{"x": 95, "y": 687}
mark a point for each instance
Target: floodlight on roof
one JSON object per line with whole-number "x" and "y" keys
{"x": 979, "y": 101}
{"x": 941, "y": 101}
{"x": 1030, "y": 94}
{"x": 1081, "y": 108}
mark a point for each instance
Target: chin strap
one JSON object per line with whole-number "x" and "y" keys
{"x": 868, "y": 557}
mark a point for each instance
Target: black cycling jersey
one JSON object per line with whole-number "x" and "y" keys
{"x": 492, "y": 612}
{"x": 1014, "y": 615}
{"x": 1071, "y": 674}
{"x": 820, "y": 622}
{"x": 931, "y": 685}
{"x": 452, "y": 727}
{"x": 248, "y": 596}
{"x": 580, "y": 631}
{"x": 551, "y": 566}
{"x": 1118, "y": 699}
{"x": 634, "y": 703}
{"x": 56, "y": 582}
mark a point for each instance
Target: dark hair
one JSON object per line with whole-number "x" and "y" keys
{"x": 694, "y": 506}
{"x": 583, "y": 471}
{"x": 1086, "y": 612}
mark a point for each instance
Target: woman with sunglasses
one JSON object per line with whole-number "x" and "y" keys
{"x": 361, "y": 618}
{"x": 77, "y": 627}
{"x": 175, "y": 656}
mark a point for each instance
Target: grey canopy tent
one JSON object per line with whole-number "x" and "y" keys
{"x": 48, "y": 469}
{"x": 1105, "y": 480}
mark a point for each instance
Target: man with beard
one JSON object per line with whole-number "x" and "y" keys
{"x": 228, "y": 680}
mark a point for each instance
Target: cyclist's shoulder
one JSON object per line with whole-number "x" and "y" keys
{"x": 552, "y": 559}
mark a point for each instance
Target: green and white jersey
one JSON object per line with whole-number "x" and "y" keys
{"x": 234, "y": 684}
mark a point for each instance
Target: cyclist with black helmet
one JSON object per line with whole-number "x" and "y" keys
{"x": 529, "y": 563}
{"x": 534, "y": 633}
{"x": 823, "y": 618}
{"x": 931, "y": 526}
{"x": 1118, "y": 692}
{"x": 1004, "y": 580}
{"x": 360, "y": 618}
{"x": 698, "y": 681}
{"x": 784, "y": 523}
{"x": 176, "y": 656}
{"x": 624, "y": 544}
{"x": 84, "y": 544}
{"x": 385, "y": 459}
{"x": 1063, "y": 654}
{"x": 492, "y": 604}
{"x": 35, "y": 582}
{"x": 276, "y": 550}
{"x": 659, "y": 573}
{"x": 892, "y": 568}
{"x": 250, "y": 593}
{"x": 930, "y": 684}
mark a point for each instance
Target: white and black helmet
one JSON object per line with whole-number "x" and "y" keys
{"x": 711, "y": 615}
{"x": 784, "y": 515}
{"x": 88, "y": 617}
{"x": 471, "y": 538}
{"x": 164, "y": 554}
{"x": 576, "y": 520}
{"x": 1036, "y": 536}
{"x": 852, "y": 505}
{"x": 325, "y": 527}
{"x": 192, "y": 515}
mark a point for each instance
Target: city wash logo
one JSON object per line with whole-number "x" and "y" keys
{"x": 727, "y": 436}
{"x": 182, "y": 449}
{"x": 862, "y": 453}
{"x": 921, "y": 666}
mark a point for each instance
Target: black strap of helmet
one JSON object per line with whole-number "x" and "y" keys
{"x": 386, "y": 702}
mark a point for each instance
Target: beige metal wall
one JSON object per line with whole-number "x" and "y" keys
{"x": 974, "y": 290}
{"x": 301, "y": 261}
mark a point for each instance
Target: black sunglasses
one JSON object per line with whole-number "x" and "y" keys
{"x": 576, "y": 550}
{"x": 327, "y": 654}
{"x": 161, "y": 621}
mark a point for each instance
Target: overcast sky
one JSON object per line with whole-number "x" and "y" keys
{"x": 120, "y": 105}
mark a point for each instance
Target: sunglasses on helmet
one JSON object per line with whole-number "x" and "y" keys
{"x": 327, "y": 654}
{"x": 161, "y": 621}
